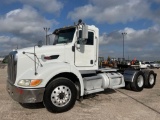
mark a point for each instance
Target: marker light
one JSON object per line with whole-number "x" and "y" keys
{"x": 35, "y": 82}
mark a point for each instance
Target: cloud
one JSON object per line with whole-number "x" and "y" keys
{"x": 50, "y": 6}
{"x": 115, "y": 11}
{"x": 7, "y": 44}
{"x": 158, "y": 1}
{"x": 22, "y": 27}
{"x": 24, "y": 21}
{"x": 79, "y": 12}
{"x": 144, "y": 43}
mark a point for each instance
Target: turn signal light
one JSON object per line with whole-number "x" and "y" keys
{"x": 35, "y": 82}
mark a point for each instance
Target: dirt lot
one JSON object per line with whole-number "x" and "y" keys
{"x": 117, "y": 104}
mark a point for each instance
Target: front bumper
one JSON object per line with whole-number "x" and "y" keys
{"x": 22, "y": 95}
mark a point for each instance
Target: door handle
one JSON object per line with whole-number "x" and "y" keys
{"x": 91, "y": 62}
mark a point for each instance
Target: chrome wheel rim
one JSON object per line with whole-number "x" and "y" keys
{"x": 151, "y": 79}
{"x": 60, "y": 96}
{"x": 140, "y": 81}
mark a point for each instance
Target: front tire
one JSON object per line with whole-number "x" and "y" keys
{"x": 60, "y": 95}
{"x": 138, "y": 82}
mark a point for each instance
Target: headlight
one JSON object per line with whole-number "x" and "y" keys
{"x": 29, "y": 83}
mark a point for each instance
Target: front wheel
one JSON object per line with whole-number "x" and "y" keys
{"x": 138, "y": 82}
{"x": 60, "y": 95}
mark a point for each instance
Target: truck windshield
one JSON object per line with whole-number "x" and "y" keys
{"x": 64, "y": 36}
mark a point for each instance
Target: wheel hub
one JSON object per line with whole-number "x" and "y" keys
{"x": 140, "y": 81}
{"x": 60, "y": 96}
{"x": 151, "y": 79}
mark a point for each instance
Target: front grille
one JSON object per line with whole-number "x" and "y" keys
{"x": 12, "y": 67}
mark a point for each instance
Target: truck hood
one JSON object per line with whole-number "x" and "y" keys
{"x": 26, "y": 59}
{"x": 49, "y": 49}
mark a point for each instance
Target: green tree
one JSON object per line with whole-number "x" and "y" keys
{"x": 5, "y": 60}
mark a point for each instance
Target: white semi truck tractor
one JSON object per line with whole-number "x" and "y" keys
{"x": 61, "y": 73}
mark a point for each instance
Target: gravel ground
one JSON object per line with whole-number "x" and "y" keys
{"x": 117, "y": 104}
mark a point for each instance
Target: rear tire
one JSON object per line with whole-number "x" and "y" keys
{"x": 128, "y": 85}
{"x": 150, "y": 79}
{"x": 138, "y": 82}
{"x": 60, "y": 95}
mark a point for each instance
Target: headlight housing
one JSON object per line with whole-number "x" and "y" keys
{"x": 29, "y": 82}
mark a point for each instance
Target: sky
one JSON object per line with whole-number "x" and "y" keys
{"x": 22, "y": 23}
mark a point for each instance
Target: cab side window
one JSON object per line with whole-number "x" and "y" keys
{"x": 90, "y": 40}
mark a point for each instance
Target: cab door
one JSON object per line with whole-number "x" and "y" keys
{"x": 85, "y": 53}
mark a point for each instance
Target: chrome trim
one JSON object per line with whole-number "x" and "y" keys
{"x": 61, "y": 96}
{"x": 12, "y": 66}
{"x": 25, "y": 95}
{"x": 151, "y": 79}
{"x": 140, "y": 81}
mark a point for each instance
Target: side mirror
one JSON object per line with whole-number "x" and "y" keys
{"x": 40, "y": 43}
{"x": 77, "y": 34}
{"x": 84, "y": 32}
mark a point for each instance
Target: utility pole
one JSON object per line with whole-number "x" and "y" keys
{"x": 46, "y": 30}
{"x": 123, "y": 34}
